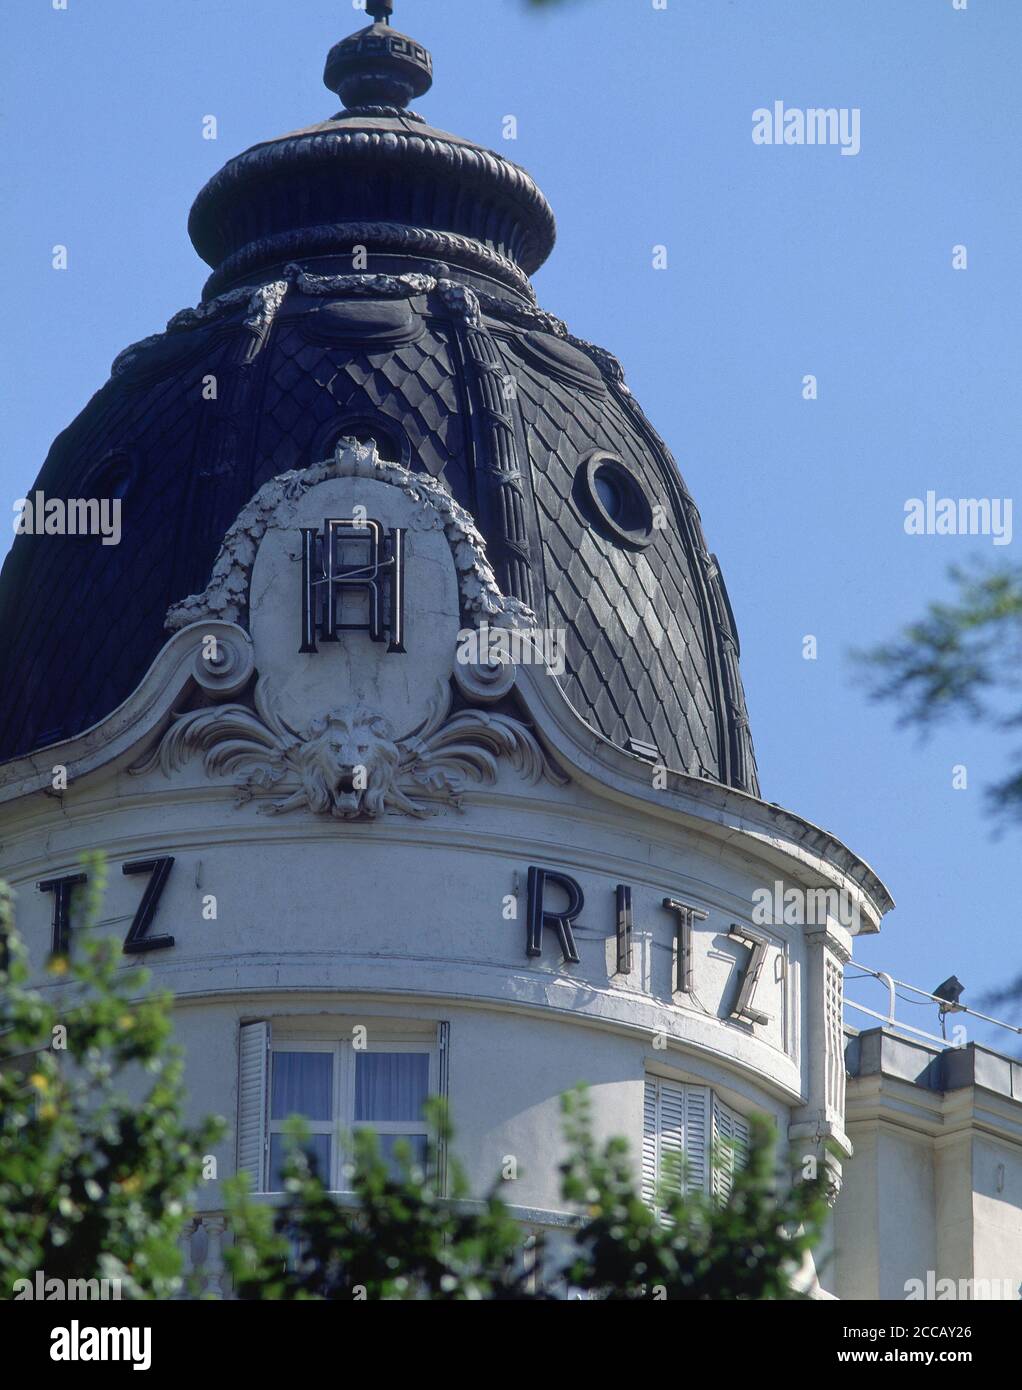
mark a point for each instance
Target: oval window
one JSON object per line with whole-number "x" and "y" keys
{"x": 111, "y": 477}
{"x": 615, "y": 499}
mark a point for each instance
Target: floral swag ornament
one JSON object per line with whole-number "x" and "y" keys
{"x": 226, "y": 595}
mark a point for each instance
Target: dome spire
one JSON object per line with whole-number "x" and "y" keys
{"x": 378, "y": 66}
{"x": 375, "y": 175}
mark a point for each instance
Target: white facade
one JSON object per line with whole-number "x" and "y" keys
{"x": 932, "y": 1201}
{"x": 402, "y": 908}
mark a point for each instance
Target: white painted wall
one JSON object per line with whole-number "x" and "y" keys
{"x": 932, "y": 1196}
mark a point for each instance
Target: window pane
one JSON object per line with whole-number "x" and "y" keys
{"x": 318, "y": 1149}
{"x": 390, "y": 1085}
{"x": 302, "y": 1085}
{"x": 416, "y": 1142}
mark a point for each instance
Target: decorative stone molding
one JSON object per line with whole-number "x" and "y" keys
{"x": 362, "y": 286}
{"x": 528, "y": 316}
{"x": 224, "y": 665}
{"x": 380, "y": 238}
{"x": 820, "y": 1124}
{"x": 485, "y": 682}
{"x": 350, "y": 150}
{"x": 348, "y": 764}
{"x": 404, "y": 113}
{"x": 263, "y": 302}
{"x": 226, "y": 595}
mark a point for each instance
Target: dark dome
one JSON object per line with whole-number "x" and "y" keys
{"x": 435, "y": 347}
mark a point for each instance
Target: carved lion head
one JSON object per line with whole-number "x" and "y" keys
{"x": 347, "y": 764}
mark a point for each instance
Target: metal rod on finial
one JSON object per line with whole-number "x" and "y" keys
{"x": 380, "y": 10}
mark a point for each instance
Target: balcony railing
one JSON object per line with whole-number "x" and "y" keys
{"x": 893, "y": 995}
{"x": 206, "y": 1235}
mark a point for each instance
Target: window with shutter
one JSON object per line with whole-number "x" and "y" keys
{"x": 253, "y": 1077}
{"x": 336, "y": 1086}
{"x": 674, "y": 1141}
{"x": 686, "y": 1124}
{"x": 730, "y": 1147}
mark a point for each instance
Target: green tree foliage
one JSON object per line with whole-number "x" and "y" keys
{"x": 397, "y": 1240}
{"x": 98, "y": 1173}
{"x": 92, "y": 1184}
{"x": 749, "y": 1247}
{"x": 963, "y": 658}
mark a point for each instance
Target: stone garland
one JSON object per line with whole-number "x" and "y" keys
{"x": 263, "y": 303}
{"x": 226, "y": 595}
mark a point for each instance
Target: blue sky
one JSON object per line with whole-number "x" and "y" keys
{"x": 781, "y": 261}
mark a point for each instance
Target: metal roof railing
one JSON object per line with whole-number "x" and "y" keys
{"x": 890, "y": 1019}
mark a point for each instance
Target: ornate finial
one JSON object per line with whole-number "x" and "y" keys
{"x": 378, "y": 66}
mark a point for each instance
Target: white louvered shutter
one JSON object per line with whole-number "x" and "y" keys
{"x": 731, "y": 1147}
{"x": 650, "y": 1146}
{"x": 672, "y": 1133}
{"x": 675, "y": 1132}
{"x": 253, "y": 1100}
{"x": 697, "y": 1139}
{"x": 741, "y": 1140}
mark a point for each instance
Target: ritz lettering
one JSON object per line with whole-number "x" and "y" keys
{"x": 138, "y": 940}
{"x": 540, "y": 917}
{"x": 542, "y": 920}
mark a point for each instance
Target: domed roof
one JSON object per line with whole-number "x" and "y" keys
{"x": 370, "y": 277}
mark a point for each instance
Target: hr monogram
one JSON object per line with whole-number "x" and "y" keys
{"x": 378, "y": 572}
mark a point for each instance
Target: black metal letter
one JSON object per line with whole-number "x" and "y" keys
{"x": 686, "y": 915}
{"x": 309, "y": 604}
{"x": 537, "y": 918}
{"x": 750, "y": 975}
{"x": 61, "y": 890}
{"x": 624, "y": 929}
{"x": 136, "y": 941}
{"x": 325, "y": 583}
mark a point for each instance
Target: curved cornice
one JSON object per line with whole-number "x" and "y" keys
{"x": 592, "y": 760}
{"x": 797, "y": 847}
{"x": 382, "y": 238}
{"x": 295, "y": 192}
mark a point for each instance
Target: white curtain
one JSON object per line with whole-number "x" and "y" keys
{"x": 303, "y": 1084}
{"x": 390, "y": 1085}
